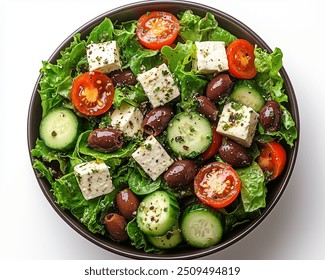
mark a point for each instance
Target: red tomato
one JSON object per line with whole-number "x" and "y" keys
{"x": 272, "y": 159}
{"x": 217, "y": 184}
{"x": 215, "y": 145}
{"x": 157, "y": 29}
{"x": 92, "y": 93}
{"x": 240, "y": 55}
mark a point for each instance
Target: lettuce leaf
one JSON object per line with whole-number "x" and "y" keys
{"x": 102, "y": 32}
{"x": 121, "y": 175}
{"x": 48, "y": 155}
{"x": 191, "y": 86}
{"x": 270, "y": 82}
{"x": 190, "y": 83}
{"x": 132, "y": 54}
{"x": 196, "y": 28}
{"x": 180, "y": 55}
{"x": 138, "y": 239}
{"x": 134, "y": 95}
{"x": 253, "y": 189}
{"x": 43, "y": 170}
{"x": 56, "y": 82}
{"x": 89, "y": 212}
{"x": 238, "y": 217}
{"x": 268, "y": 77}
{"x": 141, "y": 185}
{"x": 287, "y": 131}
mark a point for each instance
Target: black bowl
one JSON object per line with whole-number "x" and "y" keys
{"x": 133, "y": 11}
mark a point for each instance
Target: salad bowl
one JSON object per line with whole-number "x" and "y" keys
{"x": 275, "y": 187}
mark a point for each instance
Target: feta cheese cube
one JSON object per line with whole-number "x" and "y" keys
{"x": 128, "y": 119}
{"x": 210, "y": 57}
{"x": 103, "y": 57}
{"x": 152, "y": 157}
{"x": 94, "y": 179}
{"x": 159, "y": 85}
{"x": 238, "y": 122}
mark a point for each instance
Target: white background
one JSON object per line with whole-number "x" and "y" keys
{"x": 31, "y": 30}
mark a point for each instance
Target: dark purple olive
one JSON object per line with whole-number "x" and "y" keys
{"x": 181, "y": 173}
{"x": 235, "y": 154}
{"x": 121, "y": 78}
{"x": 105, "y": 139}
{"x": 157, "y": 120}
{"x": 219, "y": 87}
{"x": 127, "y": 203}
{"x": 271, "y": 116}
{"x": 115, "y": 225}
{"x": 207, "y": 108}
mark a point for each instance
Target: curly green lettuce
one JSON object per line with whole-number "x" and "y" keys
{"x": 196, "y": 28}
{"x": 89, "y": 212}
{"x": 180, "y": 63}
{"x": 270, "y": 81}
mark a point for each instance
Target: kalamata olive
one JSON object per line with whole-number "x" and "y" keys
{"x": 219, "y": 87}
{"x": 127, "y": 203}
{"x": 157, "y": 120}
{"x": 121, "y": 78}
{"x": 207, "y": 108}
{"x": 181, "y": 173}
{"x": 105, "y": 139}
{"x": 271, "y": 116}
{"x": 235, "y": 154}
{"x": 115, "y": 225}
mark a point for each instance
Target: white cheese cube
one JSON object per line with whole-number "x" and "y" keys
{"x": 238, "y": 122}
{"x": 128, "y": 119}
{"x": 103, "y": 57}
{"x": 94, "y": 179}
{"x": 210, "y": 57}
{"x": 159, "y": 85}
{"x": 152, "y": 157}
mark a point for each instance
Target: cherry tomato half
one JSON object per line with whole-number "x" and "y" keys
{"x": 157, "y": 29}
{"x": 240, "y": 55}
{"x": 272, "y": 159}
{"x": 217, "y": 184}
{"x": 92, "y": 93}
{"x": 215, "y": 145}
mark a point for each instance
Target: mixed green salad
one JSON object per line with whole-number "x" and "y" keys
{"x": 163, "y": 131}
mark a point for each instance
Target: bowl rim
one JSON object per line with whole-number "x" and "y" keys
{"x": 197, "y": 253}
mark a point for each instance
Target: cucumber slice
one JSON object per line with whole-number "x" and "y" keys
{"x": 167, "y": 241}
{"x": 189, "y": 134}
{"x": 245, "y": 93}
{"x": 201, "y": 228}
{"x": 157, "y": 214}
{"x": 59, "y": 129}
